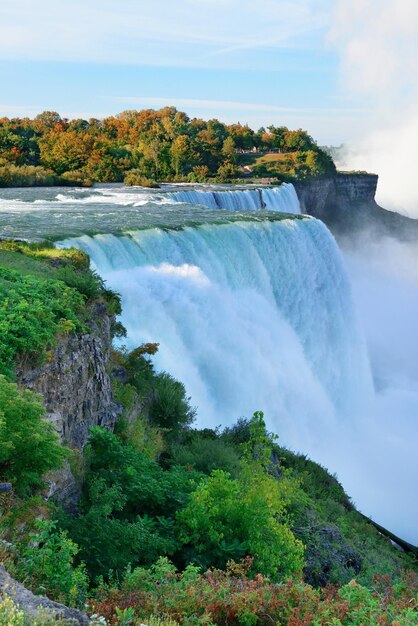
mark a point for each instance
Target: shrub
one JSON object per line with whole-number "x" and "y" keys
{"x": 10, "y": 614}
{"x": 29, "y": 445}
{"x": 205, "y": 455}
{"x": 128, "y": 507}
{"x": 26, "y": 176}
{"x": 227, "y": 519}
{"x": 233, "y": 598}
{"x": 227, "y": 172}
{"x": 31, "y": 312}
{"x": 170, "y": 407}
{"x": 135, "y": 178}
{"x": 46, "y": 565}
{"x": 76, "y": 178}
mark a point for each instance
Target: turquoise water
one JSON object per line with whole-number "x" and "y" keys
{"x": 56, "y": 213}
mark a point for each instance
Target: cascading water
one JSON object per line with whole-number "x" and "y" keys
{"x": 255, "y": 313}
{"x": 283, "y": 198}
{"x": 247, "y": 315}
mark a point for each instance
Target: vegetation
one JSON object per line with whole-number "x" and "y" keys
{"x": 134, "y": 178}
{"x": 43, "y": 292}
{"x": 29, "y": 446}
{"x": 176, "y": 525}
{"x": 141, "y": 147}
{"x": 233, "y": 597}
{"x": 12, "y": 175}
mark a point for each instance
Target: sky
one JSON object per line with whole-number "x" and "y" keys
{"x": 344, "y": 71}
{"x": 270, "y": 61}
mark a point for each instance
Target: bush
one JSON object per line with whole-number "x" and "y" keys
{"x": 135, "y": 178}
{"x": 206, "y": 454}
{"x": 46, "y": 565}
{"x": 170, "y": 408}
{"x": 27, "y": 176}
{"x": 227, "y": 172}
{"x": 233, "y": 598}
{"x": 76, "y": 178}
{"x": 128, "y": 506}
{"x": 29, "y": 445}
{"x": 31, "y": 312}
{"x": 228, "y": 519}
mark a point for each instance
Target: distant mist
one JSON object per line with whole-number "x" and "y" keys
{"x": 377, "y": 41}
{"x": 383, "y": 472}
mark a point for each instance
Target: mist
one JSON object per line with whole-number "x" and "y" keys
{"x": 374, "y": 455}
{"x": 377, "y": 43}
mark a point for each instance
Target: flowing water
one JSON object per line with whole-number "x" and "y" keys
{"x": 55, "y": 213}
{"x": 253, "y": 309}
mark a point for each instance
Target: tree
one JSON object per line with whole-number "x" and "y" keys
{"x": 179, "y": 150}
{"x": 228, "y": 149}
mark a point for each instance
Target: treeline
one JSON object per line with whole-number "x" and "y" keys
{"x": 148, "y": 144}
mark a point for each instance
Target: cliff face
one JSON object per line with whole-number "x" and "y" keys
{"x": 328, "y": 198}
{"x": 346, "y": 203}
{"x": 77, "y": 392}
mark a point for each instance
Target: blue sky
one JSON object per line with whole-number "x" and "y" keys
{"x": 270, "y": 61}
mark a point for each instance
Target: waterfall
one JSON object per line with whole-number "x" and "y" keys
{"x": 283, "y": 198}
{"x": 248, "y": 316}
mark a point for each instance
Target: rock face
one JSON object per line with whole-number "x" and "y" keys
{"x": 77, "y": 392}
{"x": 31, "y": 605}
{"x": 346, "y": 203}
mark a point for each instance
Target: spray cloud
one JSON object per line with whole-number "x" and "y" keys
{"x": 378, "y": 45}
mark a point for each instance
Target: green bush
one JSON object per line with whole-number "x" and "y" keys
{"x": 170, "y": 408}
{"x": 27, "y": 176}
{"x": 228, "y": 519}
{"x": 29, "y": 445}
{"x": 128, "y": 507}
{"x": 46, "y": 565}
{"x": 135, "y": 178}
{"x": 31, "y": 314}
{"x": 206, "y": 454}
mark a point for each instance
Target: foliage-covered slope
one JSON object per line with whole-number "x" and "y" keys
{"x": 160, "y": 495}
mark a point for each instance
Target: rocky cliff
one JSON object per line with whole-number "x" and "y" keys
{"x": 346, "y": 202}
{"x": 77, "y": 391}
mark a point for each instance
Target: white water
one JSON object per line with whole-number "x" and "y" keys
{"x": 283, "y": 198}
{"x": 249, "y": 316}
{"x": 259, "y": 315}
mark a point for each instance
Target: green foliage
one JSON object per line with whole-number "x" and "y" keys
{"x": 134, "y": 178}
{"x": 27, "y": 176}
{"x": 205, "y": 451}
{"x": 227, "y": 519}
{"x": 29, "y": 446}
{"x": 141, "y": 147}
{"x": 31, "y": 311}
{"x": 128, "y": 507}
{"x": 43, "y": 292}
{"x": 46, "y": 565}
{"x": 170, "y": 408}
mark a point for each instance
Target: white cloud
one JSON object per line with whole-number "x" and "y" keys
{"x": 378, "y": 45}
{"x": 159, "y": 32}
